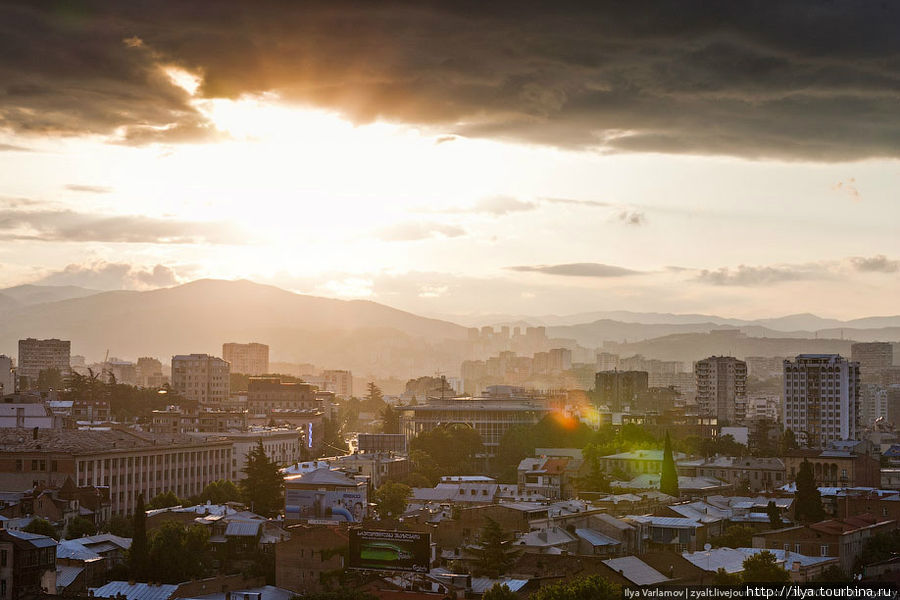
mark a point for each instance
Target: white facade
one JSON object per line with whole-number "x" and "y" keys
{"x": 249, "y": 359}
{"x": 202, "y": 378}
{"x": 282, "y": 446}
{"x": 873, "y": 403}
{"x": 821, "y": 398}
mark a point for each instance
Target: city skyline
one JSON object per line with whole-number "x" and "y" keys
{"x": 541, "y": 175}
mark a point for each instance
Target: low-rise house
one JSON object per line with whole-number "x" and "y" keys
{"x": 841, "y": 538}
{"x": 713, "y": 518}
{"x": 305, "y": 560}
{"x": 552, "y": 540}
{"x": 93, "y": 555}
{"x": 677, "y": 534}
{"x": 637, "y": 462}
{"x": 756, "y": 474}
{"x": 551, "y": 476}
{"x": 27, "y": 565}
{"x": 688, "y": 486}
{"x": 595, "y": 543}
{"x": 837, "y": 468}
{"x": 629, "y": 535}
{"x": 637, "y": 572}
{"x": 802, "y": 568}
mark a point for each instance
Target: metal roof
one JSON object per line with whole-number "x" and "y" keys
{"x": 242, "y": 529}
{"x": 135, "y": 591}
{"x": 38, "y": 541}
{"x": 266, "y": 592}
{"x": 595, "y": 538}
{"x": 673, "y": 522}
{"x": 65, "y": 575}
{"x": 635, "y": 570}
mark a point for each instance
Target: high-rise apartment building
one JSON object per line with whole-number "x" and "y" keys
{"x": 722, "y": 388}
{"x": 873, "y": 359}
{"x": 41, "y": 355}
{"x": 202, "y": 378}
{"x": 619, "y": 389}
{"x": 7, "y": 375}
{"x": 248, "y": 359}
{"x": 341, "y": 382}
{"x": 149, "y": 372}
{"x": 821, "y": 398}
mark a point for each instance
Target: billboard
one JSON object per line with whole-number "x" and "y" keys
{"x": 390, "y": 550}
{"x": 333, "y": 505}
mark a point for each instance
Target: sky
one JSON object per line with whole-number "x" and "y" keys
{"x": 460, "y": 158}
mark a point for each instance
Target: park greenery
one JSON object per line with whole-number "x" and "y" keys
{"x": 494, "y": 554}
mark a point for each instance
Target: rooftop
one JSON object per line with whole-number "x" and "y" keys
{"x": 88, "y": 441}
{"x": 635, "y": 570}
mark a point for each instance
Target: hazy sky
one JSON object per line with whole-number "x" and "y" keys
{"x": 448, "y": 158}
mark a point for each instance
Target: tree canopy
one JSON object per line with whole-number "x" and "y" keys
{"x": 139, "y": 553}
{"x": 41, "y": 526}
{"x": 452, "y": 447}
{"x": 164, "y": 500}
{"x": 807, "y": 501}
{"x": 763, "y": 567}
{"x": 79, "y": 527}
{"x": 494, "y": 554}
{"x": 499, "y": 592}
{"x": 668, "y": 479}
{"x": 263, "y": 487}
{"x": 219, "y": 492}
{"x": 594, "y": 587}
{"x": 179, "y": 553}
{"x": 391, "y": 499}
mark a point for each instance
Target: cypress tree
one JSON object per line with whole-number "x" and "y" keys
{"x": 807, "y": 500}
{"x": 668, "y": 478}
{"x": 139, "y": 553}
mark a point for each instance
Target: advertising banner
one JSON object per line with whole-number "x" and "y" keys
{"x": 390, "y": 550}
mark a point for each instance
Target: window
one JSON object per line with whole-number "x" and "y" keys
{"x": 823, "y": 550}
{"x": 797, "y": 548}
{"x": 2, "y": 558}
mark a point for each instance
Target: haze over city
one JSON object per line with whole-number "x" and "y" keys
{"x": 423, "y": 300}
{"x": 562, "y": 164}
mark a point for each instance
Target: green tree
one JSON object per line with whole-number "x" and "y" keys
{"x": 453, "y": 447}
{"x": 878, "y": 547}
{"x": 417, "y": 480}
{"x": 723, "y": 577}
{"x": 494, "y": 553}
{"x": 50, "y": 379}
{"x": 220, "y": 492}
{"x": 775, "y": 521}
{"x": 164, "y": 500}
{"x": 263, "y": 487}
{"x": 391, "y": 499}
{"x": 595, "y": 480}
{"x": 178, "y": 553}
{"x": 119, "y": 525}
{"x": 139, "y": 553}
{"x": 735, "y": 536}
{"x": 763, "y": 567}
{"x": 41, "y": 526}
{"x": 390, "y": 419}
{"x": 807, "y": 500}
{"x": 374, "y": 395}
{"x": 79, "y": 527}
{"x": 788, "y": 441}
{"x": 499, "y": 592}
{"x": 668, "y": 479}
{"x": 593, "y": 587}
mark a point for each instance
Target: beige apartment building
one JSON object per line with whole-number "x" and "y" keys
{"x": 39, "y": 355}
{"x": 128, "y": 462}
{"x": 722, "y": 388}
{"x": 265, "y": 394}
{"x": 247, "y": 359}
{"x": 202, "y": 378}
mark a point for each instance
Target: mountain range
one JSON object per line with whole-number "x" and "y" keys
{"x": 369, "y": 337}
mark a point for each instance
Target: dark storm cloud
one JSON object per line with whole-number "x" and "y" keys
{"x": 55, "y": 225}
{"x": 793, "y": 79}
{"x": 577, "y": 270}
